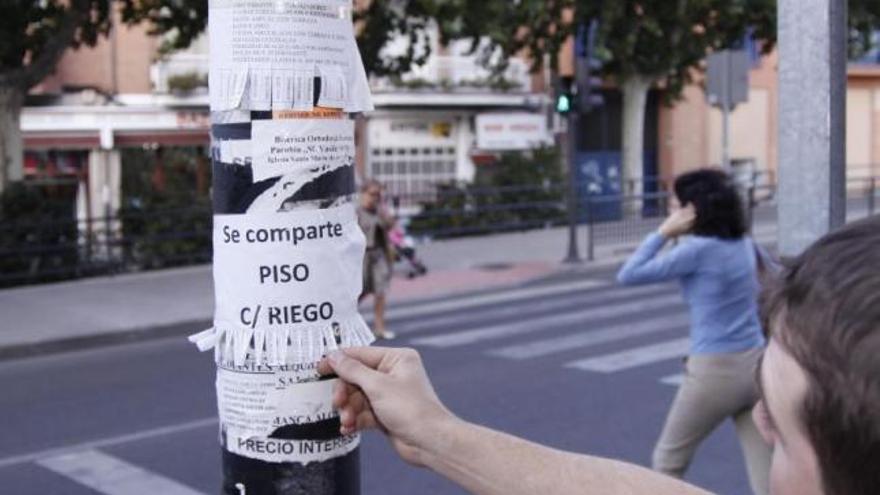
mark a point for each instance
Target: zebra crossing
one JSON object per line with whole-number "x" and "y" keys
{"x": 598, "y": 328}
{"x": 584, "y": 326}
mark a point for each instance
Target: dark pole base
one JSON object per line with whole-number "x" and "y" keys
{"x": 339, "y": 476}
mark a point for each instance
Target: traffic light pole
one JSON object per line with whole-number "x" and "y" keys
{"x": 574, "y": 100}
{"x": 573, "y": 255}
{"x": 288, "y": 251}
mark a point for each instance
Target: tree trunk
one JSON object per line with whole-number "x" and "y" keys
{"x": 11, "y": 146}
{"x": 635, "y": 98}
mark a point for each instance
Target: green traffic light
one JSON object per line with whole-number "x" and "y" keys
{"x": 563, "y": 104}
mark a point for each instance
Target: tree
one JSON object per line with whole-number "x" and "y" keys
{"x": 662, "y": 42}
{"x": 33, "y": 37}
{"x": 642, "y": 43}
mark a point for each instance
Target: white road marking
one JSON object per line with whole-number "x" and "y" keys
{"x": 546, "y": 347}
{"x": 513, "y": 310}
{"x": 108, "y": 442}
{"x": 112, "y": 476}
{"x": 419, "y": 309}
{"x": 579, "y": 318}
{"x": 632, "y": 358}
{"x": 673, "y": 380}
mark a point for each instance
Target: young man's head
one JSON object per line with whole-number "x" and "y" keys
{"x": 820, "y": 377}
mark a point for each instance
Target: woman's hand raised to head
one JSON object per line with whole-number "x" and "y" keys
{"x": 680, "y": 222}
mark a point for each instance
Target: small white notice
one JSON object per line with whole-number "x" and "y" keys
{"x": 512, "y": 131}
{"x": 266, "y": 54}
{"x": 271, "y": 416}
{"x": 301, "y": 147}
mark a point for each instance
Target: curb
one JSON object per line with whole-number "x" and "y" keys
{"x": 109, "y": 339}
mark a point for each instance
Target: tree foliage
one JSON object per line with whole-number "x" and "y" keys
{"x": 34, "y": 35}
{"x": 661, "y": 38}
{"x": 864, "y": 20}
{"x": 178, "y": 22}
{"x": 520, "y": 191}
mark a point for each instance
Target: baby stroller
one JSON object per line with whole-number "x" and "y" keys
{"x": 404, "y": 249}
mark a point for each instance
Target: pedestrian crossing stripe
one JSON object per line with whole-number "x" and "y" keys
{"x": 531, "y": 325}
{"x": 556, "y": 304}
{"x": 635, "y": 357}
{"x": 545, "y": 347}
{"x": 476, "y": 300}
{"x": 673, "y": 380}
{"x": 109, "y": 475}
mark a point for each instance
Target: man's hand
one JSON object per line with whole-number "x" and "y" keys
{"x": 387, "y": 389}
{"x": 680, "y": 222}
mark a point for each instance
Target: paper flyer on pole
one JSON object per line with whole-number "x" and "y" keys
{"x": 265, "y": 55}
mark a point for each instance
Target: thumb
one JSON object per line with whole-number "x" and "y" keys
{"x": 353, "y": 371}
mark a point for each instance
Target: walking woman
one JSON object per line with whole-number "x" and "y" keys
{"x": 716, "y": 265}
{"x": 376, "y": 222}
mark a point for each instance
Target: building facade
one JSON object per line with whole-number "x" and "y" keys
{"x": 120, "y": 95}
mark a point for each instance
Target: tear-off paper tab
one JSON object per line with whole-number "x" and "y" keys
{"x": 265, "y": 55}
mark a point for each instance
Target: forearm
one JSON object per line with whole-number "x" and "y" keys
{"x": 637, "y": 268}
{"x": 487, "y": 462}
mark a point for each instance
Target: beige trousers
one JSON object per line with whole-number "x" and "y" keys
{"x": 715, "y": 387}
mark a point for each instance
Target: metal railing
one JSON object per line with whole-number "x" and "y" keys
{"x": 60, "y": 249}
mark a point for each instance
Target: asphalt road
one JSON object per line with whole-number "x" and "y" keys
{"x": 575, "y": 363}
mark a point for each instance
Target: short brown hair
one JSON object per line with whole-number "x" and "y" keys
{"x": 825, "y": 311}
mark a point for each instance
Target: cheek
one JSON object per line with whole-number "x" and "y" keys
{"x": 791, "y": 475}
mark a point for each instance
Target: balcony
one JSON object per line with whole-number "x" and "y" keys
{"x": 458, "y": 73}
{"x": 182, "y": 72}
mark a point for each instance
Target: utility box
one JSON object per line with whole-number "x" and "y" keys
{"x": 599, "y": 186}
